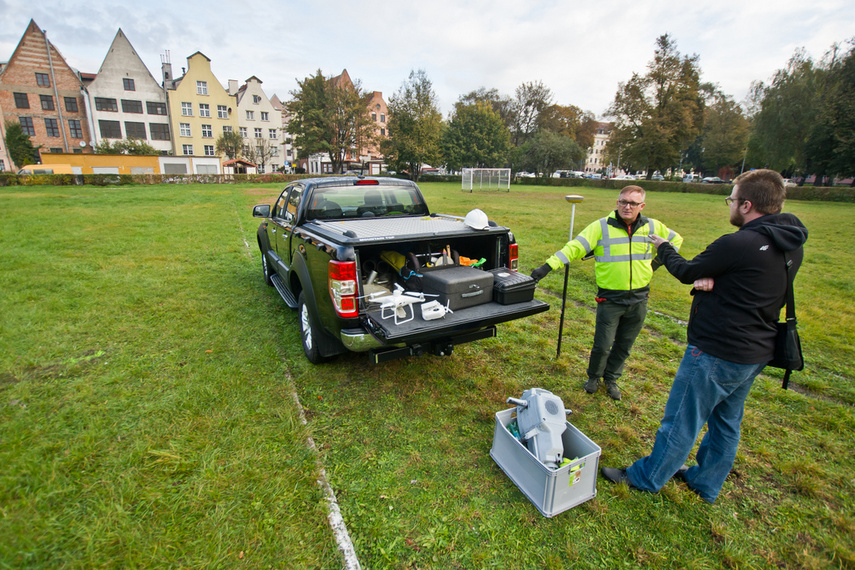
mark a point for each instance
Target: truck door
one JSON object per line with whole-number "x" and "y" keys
{"x": 283, "y": 222}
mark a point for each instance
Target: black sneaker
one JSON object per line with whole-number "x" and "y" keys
{"x": 592, "y": 385}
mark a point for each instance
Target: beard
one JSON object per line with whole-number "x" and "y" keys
{"x": 737, "y": 219}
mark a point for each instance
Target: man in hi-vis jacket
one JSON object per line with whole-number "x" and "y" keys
{"x": 624, "y": 264}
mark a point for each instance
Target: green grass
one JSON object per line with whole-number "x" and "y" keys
{"x": 146, "y": 417}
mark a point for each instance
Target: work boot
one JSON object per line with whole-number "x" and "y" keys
{"x": 613, "y": 390}
{"x": 592, "y": 385}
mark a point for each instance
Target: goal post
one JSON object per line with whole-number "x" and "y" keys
{"x": 486, "y": 179}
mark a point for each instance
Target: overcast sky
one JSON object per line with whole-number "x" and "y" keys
{"x": 580, "y": 50}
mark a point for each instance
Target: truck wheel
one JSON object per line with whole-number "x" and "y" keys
{"x": 310, "y": 333}
{"x": 265, "y": 269}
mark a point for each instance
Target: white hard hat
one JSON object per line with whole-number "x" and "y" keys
{"x": 476, "y": 219}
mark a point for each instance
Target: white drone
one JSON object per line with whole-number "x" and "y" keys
{"x": 394, "y": 305}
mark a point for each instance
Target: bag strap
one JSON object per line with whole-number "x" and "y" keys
{"x": 791, "y": 307}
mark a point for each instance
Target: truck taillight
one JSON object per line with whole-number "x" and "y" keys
{"x": 513, "y": 256}
{"x": 343, "y": 290}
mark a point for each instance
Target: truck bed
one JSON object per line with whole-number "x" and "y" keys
{"x": 370, "y": 230}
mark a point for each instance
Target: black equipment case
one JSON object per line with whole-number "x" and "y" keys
{"x": 510, "y": 287}
{"x": 458, "y": 286}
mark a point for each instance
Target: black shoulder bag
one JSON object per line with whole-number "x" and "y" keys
{"x": 788, "y": 346}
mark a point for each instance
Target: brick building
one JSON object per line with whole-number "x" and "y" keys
{"x": 39, "y": 90}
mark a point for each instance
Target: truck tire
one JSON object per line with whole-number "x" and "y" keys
{"x": 310, "y": 332}
{"x": 265, "y": 269}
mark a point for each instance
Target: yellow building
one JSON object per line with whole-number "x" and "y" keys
{"x": 200, "y": 109}
{"x": 105, "y": 163}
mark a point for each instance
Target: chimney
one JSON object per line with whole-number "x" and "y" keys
{"x": 233, "y": 86}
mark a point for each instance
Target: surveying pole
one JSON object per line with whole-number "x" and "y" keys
{"x": 573, "y": 199}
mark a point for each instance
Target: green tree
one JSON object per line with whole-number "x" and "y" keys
{"x": 475, "y": 137}
{"x": 415, "y": 126}
{"x": 657, "y": 115}
{"x": 229, "y": 144}
{"x": 134, "y": 147}
{"x": 830, "y": 147}
{"x": 502, "y": 105}
{"x": 788, "y": 112}
{"x": 530, "y": 101}
{"x": 329, "y": 115}
{"x": 724, "y": 136}
{"x": 547, "y": 152}
{"x": 20, "y": 147}
{"x": 571, "y": 121}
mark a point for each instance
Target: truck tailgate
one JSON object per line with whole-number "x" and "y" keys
{"x": 461, "y": 320}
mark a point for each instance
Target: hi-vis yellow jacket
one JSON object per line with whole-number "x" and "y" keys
{"x": 623, "y": 255}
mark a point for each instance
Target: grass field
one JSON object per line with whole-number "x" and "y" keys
{"x": 146, "y": 417}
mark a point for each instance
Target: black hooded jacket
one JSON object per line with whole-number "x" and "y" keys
{"x": 736, "y": 320}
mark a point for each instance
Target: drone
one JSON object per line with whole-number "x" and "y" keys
{"x": 394, "y": 305}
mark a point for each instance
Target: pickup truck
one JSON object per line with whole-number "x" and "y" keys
{"x": 333, "y": 248}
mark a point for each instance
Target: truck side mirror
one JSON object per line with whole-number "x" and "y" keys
{"x": 261, "y": 211}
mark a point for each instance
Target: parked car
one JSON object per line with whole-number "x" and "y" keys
{"x": 691, "y": 178}
{"x": 712, "y": 180}
{"x": 658, "y": 177}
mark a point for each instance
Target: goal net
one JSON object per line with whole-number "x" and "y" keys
{"x": 487, "y": 179}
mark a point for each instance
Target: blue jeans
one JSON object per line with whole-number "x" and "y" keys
{"x": 706, "y": 390}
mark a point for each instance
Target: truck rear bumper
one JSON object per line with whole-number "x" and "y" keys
{"x": 357, "y": 340}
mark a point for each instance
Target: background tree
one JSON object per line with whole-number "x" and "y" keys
{"x": 547, "y": 152}
{"x": 229, "y": 144}
{"x": 571, "y": 121}
{"x": 133, "y": 147}
{"x": 720, "y": 149}
{"x": 330, "y": 117}
{"x": 20, "y": 147}
{"x": 530, "y": 101}
{"x": 262, "y": 152}
{"x": 502, "y": 105}
{"x": 415, "y": 126}
{"x": 475, "y": 137}
{"x": 658, "y": 115}
{"x": 788, "y": 111}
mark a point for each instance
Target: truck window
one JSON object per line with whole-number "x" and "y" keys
{"x": 293, "y": 203}
{"x": 279, "y": 207}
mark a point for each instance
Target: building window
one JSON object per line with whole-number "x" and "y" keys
{"x": 288, "y": 153}
{"x": 187, "y": 149}
{"x": 75, "y": 129}
{"x": 184, "y": 129}
{"x": 187, "y": 109}
{"x": 52, "y": 127}
{"x": 274, "y": 151}
{"x": 135, "y": 130}
{"x": 250, "y": 115}
{"x": 204, "y": 110}
{"x": 47, "y": 102}
{"x": 207, "y": 132}
{"x": 42, "y": 80}
{"x": 27, "y": 126}
{"x": 382, "y": 117}
{"x": 104, "y": 104}
{"x": 110, "y": 129}
{"x": 131, "y": 106}
{"x": 201, "y": 87}
{"x": 222, "y": 112}
{"x": 71, "y": 104}
{"x": 256, "y": 99}
{"x": 209, "y": 150}
{"x": 272, "y": 133}
{"x": 265, "y": 116}
{"x": 228, "y": 129}
{"x": 159, "y": 131}
{"x": 21, "y": 101}
{"x": 128, "y": 84}
{"x": 154, "y": 108}
{"x": 382, "y": 132}
{"x": 258, "y": 134}
{"x": 242, "y": 131}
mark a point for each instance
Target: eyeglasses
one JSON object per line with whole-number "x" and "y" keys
{"x": 730, "y": 200}
{"x": 630, "y": 204}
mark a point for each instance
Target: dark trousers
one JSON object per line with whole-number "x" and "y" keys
{"x": 617, "y": 327}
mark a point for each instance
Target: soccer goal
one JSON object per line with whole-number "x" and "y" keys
{"x": 487, "y": 179}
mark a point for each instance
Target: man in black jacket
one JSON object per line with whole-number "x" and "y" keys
{"x": 740, "y": 287}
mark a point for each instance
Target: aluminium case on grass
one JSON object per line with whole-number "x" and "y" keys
{"x": 552, "y": 491}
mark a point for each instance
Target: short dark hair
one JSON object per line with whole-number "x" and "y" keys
{"x": 764, "y": 188}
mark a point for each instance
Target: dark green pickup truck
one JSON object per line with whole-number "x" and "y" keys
{"x": 355, "y": 256}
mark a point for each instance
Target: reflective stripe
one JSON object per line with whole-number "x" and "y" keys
{"x": 622, "y": 258}
{"x": 585, "y": 244}
{"x": 561, "y": 257}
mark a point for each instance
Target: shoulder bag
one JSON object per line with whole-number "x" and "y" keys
{"x": 788, "y": 346}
